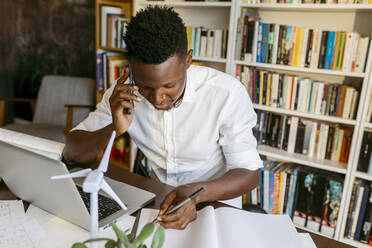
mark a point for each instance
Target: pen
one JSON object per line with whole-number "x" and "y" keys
{"x": 129, "y": 111}
{"x": 182, "y": 203}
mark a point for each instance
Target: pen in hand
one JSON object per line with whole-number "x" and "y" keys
{"x": 172, "y": 208}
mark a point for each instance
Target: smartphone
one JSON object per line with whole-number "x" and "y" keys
{"x": 129, "y": 111}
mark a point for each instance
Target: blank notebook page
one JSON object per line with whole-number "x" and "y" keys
{"x": 229, "y": 227}
{"x": 239, "y": 228}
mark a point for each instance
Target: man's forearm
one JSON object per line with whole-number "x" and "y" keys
{"x": 84, "y": 147}
{"x": 232, "y": 184}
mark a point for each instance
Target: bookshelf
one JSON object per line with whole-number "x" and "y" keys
{"x": 127, "y": 9}
{"x": 330, "y": 17}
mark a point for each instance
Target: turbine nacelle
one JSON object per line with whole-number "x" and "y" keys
{"x": 93, "y": 181}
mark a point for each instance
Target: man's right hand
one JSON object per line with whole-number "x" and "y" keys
{"x": 119, "y": 103}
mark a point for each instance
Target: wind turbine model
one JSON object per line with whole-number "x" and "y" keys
{"x": 93, "y": 182}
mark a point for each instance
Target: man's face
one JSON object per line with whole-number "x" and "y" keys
{"x": 162, "y": 84}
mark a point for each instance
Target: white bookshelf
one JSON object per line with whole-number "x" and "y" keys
{"x": 309, "y": 230}
{"x": 301, "y": 69}
{"x": 343, "y": 17}
{"x": 325, "y": 118}
{"x": 368, "y": 126}
{"x": 330, "y": 17}
{"x": 354, "y": 243}
{"x": 363, "y": 175}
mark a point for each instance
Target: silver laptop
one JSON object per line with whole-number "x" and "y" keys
{"x": 27, "y": 175}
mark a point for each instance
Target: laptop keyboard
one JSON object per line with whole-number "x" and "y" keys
{"x": 106, "y": 206}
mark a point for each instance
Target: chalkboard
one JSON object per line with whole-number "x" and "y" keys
{"x": 41, "y": 37}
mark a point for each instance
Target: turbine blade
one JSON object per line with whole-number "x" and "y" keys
{"x": 105, "y": 187}
{"x": 80, "y": 173}
{"x": 106, "y": 156}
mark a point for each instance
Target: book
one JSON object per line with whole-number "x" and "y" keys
{"x": 365, "y": 152}
{"x": 367, "y": 221}
{"x": 105, "y": 11}
{"x": 332, "y": 205}
{"x": 227, "y": 227}
{"x": 352, "y": 219}
{"x": 360, "y": 219}
{"x": 45, "y": 147}
{"x": 359, "y": 197}
{"x": 317, "y": 194}
{"x": 203, "y": 42}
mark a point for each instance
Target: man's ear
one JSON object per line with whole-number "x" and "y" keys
{"x": 189, "y": 58}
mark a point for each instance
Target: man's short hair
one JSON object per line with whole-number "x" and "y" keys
{"x": 155, "y": 34}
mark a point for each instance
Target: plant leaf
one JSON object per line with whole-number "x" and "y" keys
{"x": 79, "y": 245}
{"x": 158, "y": 239}
{"x": 121, "y": 236}
{"x": 96, "y": 240}
{"x": 145, "y": 233}
{"x": 110, "y": 244}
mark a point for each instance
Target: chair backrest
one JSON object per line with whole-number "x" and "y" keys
{"x": 55, "y": 92}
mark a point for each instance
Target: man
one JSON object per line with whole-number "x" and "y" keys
{"x": 194, "y": 124}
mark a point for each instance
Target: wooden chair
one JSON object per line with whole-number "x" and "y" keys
{"x": 62, "y": 103}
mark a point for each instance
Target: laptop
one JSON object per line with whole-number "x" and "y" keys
{"x": 27, "y": 175}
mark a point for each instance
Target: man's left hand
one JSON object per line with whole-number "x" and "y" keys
{"x": 184, "y": 215}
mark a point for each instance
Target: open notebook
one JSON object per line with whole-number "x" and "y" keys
{"x": 229, "y": 227}
{"x": 45, "y": 147}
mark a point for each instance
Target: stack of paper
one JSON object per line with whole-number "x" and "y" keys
{"x": 16, "y": 231}
{"x": 64, "y": 234}
{"x": 229, "y": 227}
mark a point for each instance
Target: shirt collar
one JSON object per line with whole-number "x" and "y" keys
{"x": 189, "y": 95}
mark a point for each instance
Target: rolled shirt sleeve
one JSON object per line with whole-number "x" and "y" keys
{"x": 236, "y": 137}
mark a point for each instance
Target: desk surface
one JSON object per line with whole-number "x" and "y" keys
{"x": 161, "y": 190}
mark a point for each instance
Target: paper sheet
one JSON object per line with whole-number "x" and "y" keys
{"x": 200, "y": 233}
{"x": 25, "y": 235}
{"x": 35, "y": 144}
{"x": 237, "y": 228}
{"x": 64, "y": 234}
{"x": 11, "y": 212}
{"x": 229, "y": 227}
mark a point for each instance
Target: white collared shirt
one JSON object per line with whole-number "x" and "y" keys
{"x": 209, "y": 133}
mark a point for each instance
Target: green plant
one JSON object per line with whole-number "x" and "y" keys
{"x": 129, "y": 240}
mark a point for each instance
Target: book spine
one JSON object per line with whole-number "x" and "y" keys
{"x": 367, "y": 222}
{"x": 259, "y": 42}
{"x": 361, "y": 213}
{"x": 322, "y": 52}
{"x": 100, "y": 85}
{"x": 329, "y": 50}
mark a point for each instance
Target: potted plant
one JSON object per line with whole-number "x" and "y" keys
{"x": 128, "y": 240}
